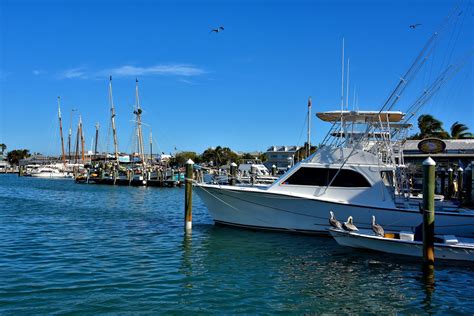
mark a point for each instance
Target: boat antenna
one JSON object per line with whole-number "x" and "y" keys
{"x": 308, "y": 150}
{"x": 354, "y": 98}
{"x": 63, "y": 155}
{"x": 112, "y": 118}
{"x": 342, "y": 88}
{"x": 347, "y": 83}
{"x": 342, "y": 78}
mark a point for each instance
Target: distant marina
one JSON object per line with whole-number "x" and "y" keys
{"x": 375, "y": 217}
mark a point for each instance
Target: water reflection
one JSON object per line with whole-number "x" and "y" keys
{"x": 121, "y": 249}
{"x": 303, "y": 273}
{"x": 428, "y": 284}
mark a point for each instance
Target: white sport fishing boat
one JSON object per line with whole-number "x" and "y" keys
{"x": 358, "y": 170}
{"x": 358, "y": 178}
{"x": 446, "y": 247}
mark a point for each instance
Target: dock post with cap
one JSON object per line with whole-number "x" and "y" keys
{"x": 188, "y": 197}
{"x": 233, "y": 173}
{"x": 468, "y": 197}
{"x": 429, "y": 166}
{"x": 460, "y": 183}
{"x": 450, "y": 182}
{"x": 442, "y": 175}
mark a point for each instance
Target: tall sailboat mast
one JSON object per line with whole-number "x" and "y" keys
{"x": 78, "y": 135}
{"x": 138, "y": 113}
{"x": 151, "y": 148}
{"x": 96, "y": 138}
{"x": 69, "y": 142}
{"x": 70, "y": 135}
{"x": 112, "y": 118}
{"x": 82, "y": 140}
{"x": 63, "y": 155}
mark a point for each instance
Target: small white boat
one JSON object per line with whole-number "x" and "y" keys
{"x": 51, "y": 173}
{"x": 448, "y": 247}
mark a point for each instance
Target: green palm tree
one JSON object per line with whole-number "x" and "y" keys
{"x": 460, "y": 131}
{"x": 431, "y": 127}
{"x": 3, "y": 148}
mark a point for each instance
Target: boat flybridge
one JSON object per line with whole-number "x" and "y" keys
{"x": 357, "y": 171}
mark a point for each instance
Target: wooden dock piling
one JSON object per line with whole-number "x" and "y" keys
{"x": 468, "y": 197}
{"x": 450, "y": 183}
{"x": 233, "y": 173}
{"x": 429, "y": 166}
{"x": 442, "y": 174}
{"x": 274, "y": 170}
{"x": 460, "y": 183}
{"x": 188, "y": 197}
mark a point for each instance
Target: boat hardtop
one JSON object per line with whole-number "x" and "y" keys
{"x": 361, "y": 116}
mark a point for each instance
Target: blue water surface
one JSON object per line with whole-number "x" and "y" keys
{"x": 89, "y": 249}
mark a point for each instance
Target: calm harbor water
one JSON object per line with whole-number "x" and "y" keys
{"x": 90, "y": 249}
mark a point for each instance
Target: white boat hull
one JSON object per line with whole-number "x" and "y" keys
{"x": 51, "y": 175}
{"x": 461, "y": 251}
{"x": 272, "y": 211}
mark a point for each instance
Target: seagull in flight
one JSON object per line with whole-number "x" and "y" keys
{"x": 217, "y": 30}
{"x": 413, "y": 26}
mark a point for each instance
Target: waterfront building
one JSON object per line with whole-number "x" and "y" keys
{"x": 458, "y": 152}
{"x": 280, "y": 156}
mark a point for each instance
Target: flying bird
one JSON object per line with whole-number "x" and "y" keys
{"x": 334, "y": 222}
{"x": 413, "y": 26}
{"x": 349, "y": 225}
{"x": 378, "y": 230}
{"x": 217, "y": 30}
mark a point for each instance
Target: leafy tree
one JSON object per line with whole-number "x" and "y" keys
{"x": 16, "y": 155}
{"x": 247, "y": 156}
{"x": 3, "y": 147}
{"x": 460, "y": 131}
{"x": 430, "y": 127}
{"x": 181, "y": 157}
{"x": 219, "y": 155}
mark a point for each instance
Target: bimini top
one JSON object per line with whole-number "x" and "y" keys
{"x": 361, "y": 116}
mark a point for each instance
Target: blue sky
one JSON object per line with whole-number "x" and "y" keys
{"x": 245, "y": 87}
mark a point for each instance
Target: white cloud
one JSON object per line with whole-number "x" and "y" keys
{"x": 78, "y": 73}
{"x": 159, "y": 70}
{"x": 37, "y": 72}
{"x": 182, "y": 70}
{"x": 186, "y": 81}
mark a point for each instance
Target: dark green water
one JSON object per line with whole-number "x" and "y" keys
{"x": 88, "y": 249}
